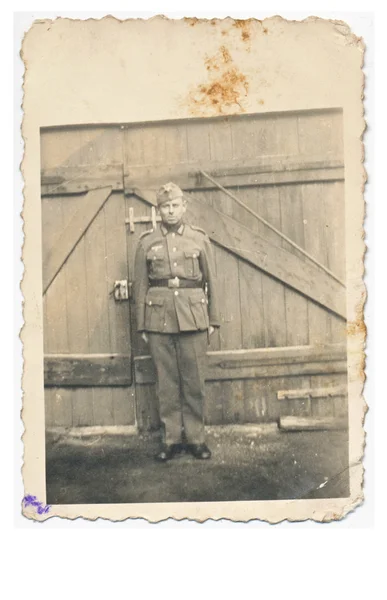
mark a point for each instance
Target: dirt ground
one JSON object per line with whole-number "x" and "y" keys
{"x": 249, "y": 463}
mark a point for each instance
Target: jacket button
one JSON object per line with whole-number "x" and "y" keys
{"x": 175, "y": 264}
{"x": 176, "y": 293}
{"x": 150, "y": 302}
{"x": 174, "y": 249}
{"x": 194, "y": 255}
{"x": 203, "y": 300}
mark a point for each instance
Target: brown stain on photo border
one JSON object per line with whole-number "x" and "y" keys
{"x": 226, "y": 88}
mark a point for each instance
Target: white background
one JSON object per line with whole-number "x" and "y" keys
{"x": 60, "y": 559}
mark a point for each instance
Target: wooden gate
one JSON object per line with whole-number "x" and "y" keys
{"x": 283, "y": 314}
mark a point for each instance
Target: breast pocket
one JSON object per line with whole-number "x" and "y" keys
{"x": 155, "y": 314}
{"x": 199, "y": 312}
{"x": 156, "y": 262}
{"x": 191, "y": 263}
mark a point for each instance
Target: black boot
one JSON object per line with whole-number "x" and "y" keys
{"x": 166, "y": 452}
{"x": 200, "y": 451}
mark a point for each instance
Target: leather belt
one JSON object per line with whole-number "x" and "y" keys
{"x": 176, "y": 282}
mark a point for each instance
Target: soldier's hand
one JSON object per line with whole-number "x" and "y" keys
{"x": 144, "y": 337}
{"x": 211, "y": 330}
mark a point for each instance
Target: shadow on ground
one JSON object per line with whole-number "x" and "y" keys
{"x": 246, "y": 465}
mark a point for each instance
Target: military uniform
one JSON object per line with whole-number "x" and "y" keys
{"x": 176, "y": 303}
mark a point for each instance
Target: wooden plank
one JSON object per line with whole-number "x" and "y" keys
{"x": 286, "y": 134}
{"x": 198, "y": 142}
{"x": 147, "y": 408}
{"x": 320, "y": 392}
{"x": 273, "y": 293}
{"x": 76, "y": 299}
{"x": 101, "y": 145}
{"x": 103, "y": 411}
{"x": 97, "y": 291}
{"x": 297, "y": 406}
{"x": 269, "y": 136}
{"x": 75, "y": 180}
{"x": 91, "y": 370}
{"x": 175, "y": 144}
{"x": 124, "y": 405}
{"x": 82, "y": 406}
{"x": 144, "y": 371}
{"x": 334, "y": 203}
{"x": 116, "y": 270}
{"x": 221, "y": 147}
{"x": 52, "y": 223}
{"x": 250, "y": 280}
{"x": 55, "y": 330}
{"x": 253, "y": 138}
{"x": 269, "y": 164}
{"x": 229, "y": 300}
{"x": 133, "y": 148}
{"x": 340, "y": 403}
{"x": 252, "y": 307}
{"x": 48, "y": 405}
{"x": 315, "y": 243}
{"x": 276, "y": 178}
{"x": 294, "y": 423}
{"x": 267, "y": 396}
{"x": 79, "y": 407}
{"x": 320, "y": 133}
{"x": 72, "y": 234}
{"x": 232, "y": 399}
{"x": 247, "y": 364}
{"x": 213, "y": 407}
{"x": 54, "y": 303}
{"x": 61, "y": 407}
{"x": 153, "y": 145}
{"x": 297, "y": 333}
{"x": 337, "y": 404}
{"x": 228, "y": 174}
{"x": 255, "y": 406}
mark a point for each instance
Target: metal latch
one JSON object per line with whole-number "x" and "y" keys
{"x": 120, "y": 290}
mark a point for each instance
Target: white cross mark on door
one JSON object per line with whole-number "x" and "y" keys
{"x": 154, "y": 219}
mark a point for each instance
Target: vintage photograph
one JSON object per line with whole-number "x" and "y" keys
{"x": 194, "y": 309}
{"x": 193, "y": 335}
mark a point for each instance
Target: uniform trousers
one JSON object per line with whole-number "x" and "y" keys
{"x": 180, "y": 360}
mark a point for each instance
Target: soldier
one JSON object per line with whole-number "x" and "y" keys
{"x": 176, "y": 312}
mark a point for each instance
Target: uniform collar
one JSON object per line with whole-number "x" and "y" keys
{"x": 164, "y": 230}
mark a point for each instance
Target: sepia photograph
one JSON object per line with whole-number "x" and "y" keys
{"x": 193, "y": 334}
{"x": 194, "y": 309}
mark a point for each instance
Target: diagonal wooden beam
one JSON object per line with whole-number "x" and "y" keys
{"x": 279, "y": 233}
{"x": 89, "y": 207}
{"x": 297, "y": 273}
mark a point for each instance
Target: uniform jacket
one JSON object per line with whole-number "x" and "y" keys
{"x": 185, "y": 253}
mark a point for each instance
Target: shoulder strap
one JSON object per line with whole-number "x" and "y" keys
{"x": 195, "y": 228}
{"x": 145, "y": 233}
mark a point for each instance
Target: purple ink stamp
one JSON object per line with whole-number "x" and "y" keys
{"x": 40, "y": 508}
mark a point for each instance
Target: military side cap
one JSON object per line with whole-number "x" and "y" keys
{"x": 167, "y": 192}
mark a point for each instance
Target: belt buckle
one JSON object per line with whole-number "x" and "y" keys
{"x": 174, "y": 283}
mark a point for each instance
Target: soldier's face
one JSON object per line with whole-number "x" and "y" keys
{"x": 172, "y": 212}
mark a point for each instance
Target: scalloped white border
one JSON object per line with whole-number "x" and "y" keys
{"x": 274, "y": 511}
